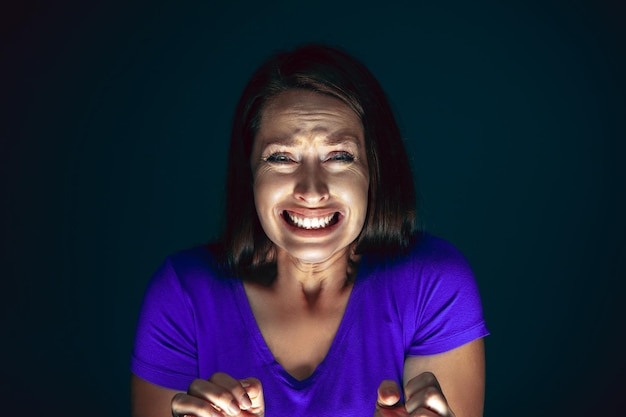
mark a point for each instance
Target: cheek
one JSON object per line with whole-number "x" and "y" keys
{"x": 260, "y": 194}
{"x": 267, "y": 190}
{"x": 360, "y": 184}
{"x": 355, "y": 192}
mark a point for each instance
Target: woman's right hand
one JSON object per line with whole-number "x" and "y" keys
{"x": 220, "y": 396}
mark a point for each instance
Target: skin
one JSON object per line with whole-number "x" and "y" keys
{"x": 308, "y": 161}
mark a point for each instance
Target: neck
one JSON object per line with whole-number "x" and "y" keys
{"x": 315, "y": 282}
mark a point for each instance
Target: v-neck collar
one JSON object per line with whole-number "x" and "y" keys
{"x": 266, "y": 354}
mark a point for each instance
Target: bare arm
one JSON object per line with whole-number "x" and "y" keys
{"x": 460, "y": 373}
{"x": 149, "y": 400}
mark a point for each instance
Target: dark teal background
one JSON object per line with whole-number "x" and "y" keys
{"x": 114, "y": 126}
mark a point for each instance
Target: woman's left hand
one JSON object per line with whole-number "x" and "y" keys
{"x": 423, "y": 397}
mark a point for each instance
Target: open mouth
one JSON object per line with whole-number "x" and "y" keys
{"x": 310, "y": 223}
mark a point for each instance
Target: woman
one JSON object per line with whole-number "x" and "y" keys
{"x": 321, "y": 299}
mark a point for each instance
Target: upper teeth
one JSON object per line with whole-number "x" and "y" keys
{"x": 311, "y": 222}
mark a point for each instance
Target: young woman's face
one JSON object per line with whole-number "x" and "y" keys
{"x": 310, "y": 172}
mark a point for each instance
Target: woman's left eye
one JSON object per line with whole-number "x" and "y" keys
{"x": 341, "y": 157}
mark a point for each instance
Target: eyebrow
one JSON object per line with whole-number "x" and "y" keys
{"x": 335, "y": 139}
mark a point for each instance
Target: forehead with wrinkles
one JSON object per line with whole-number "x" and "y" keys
{"x": 295, "y": 114}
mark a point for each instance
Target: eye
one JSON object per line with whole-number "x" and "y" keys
{"x": 341, "y": 156}
{"x": 278, "y": 158}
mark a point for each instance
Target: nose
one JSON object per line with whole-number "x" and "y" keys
{"x": 311, "y": 184}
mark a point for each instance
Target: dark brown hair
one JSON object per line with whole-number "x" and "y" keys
{"x": 391, "y": 212}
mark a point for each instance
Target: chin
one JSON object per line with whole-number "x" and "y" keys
{"x": 308, "y": 253}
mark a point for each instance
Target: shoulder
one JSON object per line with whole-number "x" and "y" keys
{"x": 431, "y": 272}
{"x": 432, "y": 276}
{"x": 439, "y": 255}
{"x": 436, "y": 295}
{"x": 428, "y": 255}
{"x": 190, "y": 269}
{"x": 201, "y": 258}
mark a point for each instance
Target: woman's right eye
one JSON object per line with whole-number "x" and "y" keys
{"x": 278, "y": 158}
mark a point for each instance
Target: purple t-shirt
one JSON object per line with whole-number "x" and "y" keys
{"x": 196, "y": 321}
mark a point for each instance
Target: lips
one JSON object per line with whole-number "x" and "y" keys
{"x": 310, "y": 223}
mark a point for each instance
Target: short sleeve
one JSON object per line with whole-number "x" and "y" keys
{"x": 448, "y": 308}
{"x": 165, "y": 350}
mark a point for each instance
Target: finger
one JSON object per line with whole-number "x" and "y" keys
{"x": 221, "y": 391}
{"x": 240, "y": 398}
{"x": 187, "y": 405}
{"x": 254, "y": 389}
{"x": 424, "y": 412}
{"x": 425, "y": 392}
{"x": 388, "y": 393}
{"x": 430, "y": 398}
